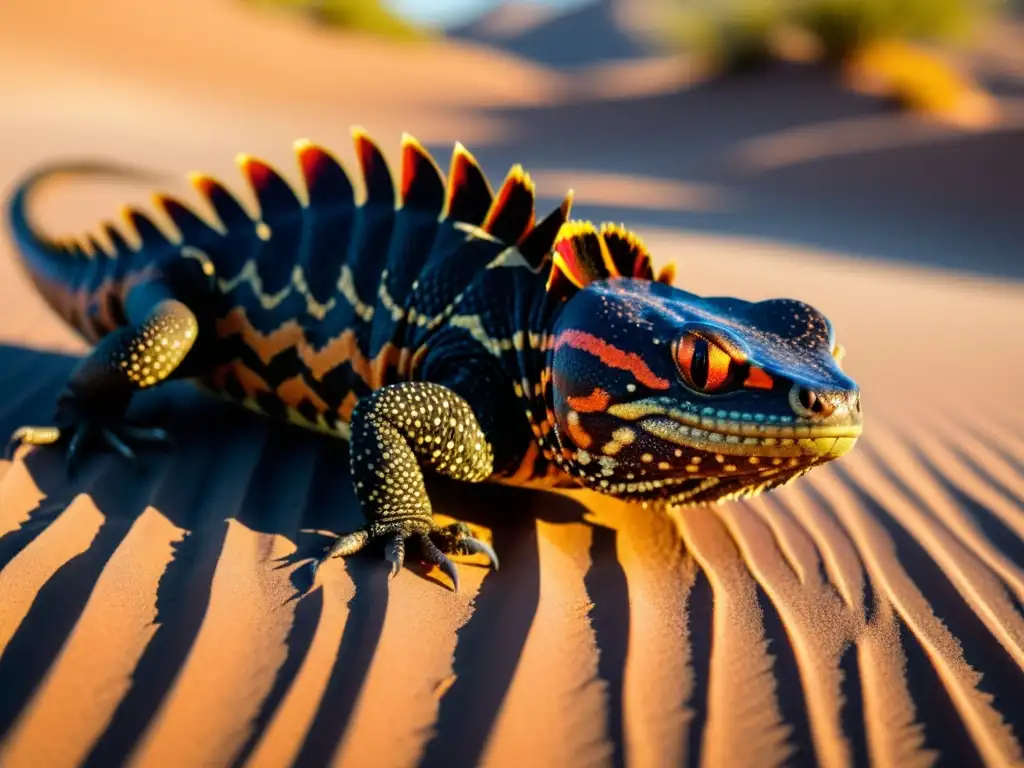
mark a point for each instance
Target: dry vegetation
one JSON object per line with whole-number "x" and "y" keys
{"x": 369, "y": 16}
{"x": 879, "y": 45}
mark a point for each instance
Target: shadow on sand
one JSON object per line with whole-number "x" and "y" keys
{"x": 287, "y": 481}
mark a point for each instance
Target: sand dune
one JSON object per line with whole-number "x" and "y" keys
{"x": 576, "y": 36}
{"x": 869, "y": 613}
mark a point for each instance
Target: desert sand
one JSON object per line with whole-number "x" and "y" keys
{"x": 870, "y": 612}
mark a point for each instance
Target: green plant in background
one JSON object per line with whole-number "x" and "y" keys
{"x": 735, "y": 33}
{"x": 843, "y": 26}
{"x": 731, "y": 34}
{"x": 875, "y": 43}
{"x": 917, "y": 79}
{"x": 369, "y": 16}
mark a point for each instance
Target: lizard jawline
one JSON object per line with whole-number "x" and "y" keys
{"x": 825, "y": 442}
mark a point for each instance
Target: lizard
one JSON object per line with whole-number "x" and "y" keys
{"x": 436, "y": 325}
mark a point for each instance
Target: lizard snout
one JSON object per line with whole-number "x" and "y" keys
{"x": 833, "y": 405}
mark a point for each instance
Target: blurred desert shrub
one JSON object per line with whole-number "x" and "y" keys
{"x": 879, "y": 45}
{"x": 369, "y": 16}
{"x": 917, "y": 79}
{"x": 731, "y": 34}
{"x": 845, "y": 26}
{"x": 735, "y": 34}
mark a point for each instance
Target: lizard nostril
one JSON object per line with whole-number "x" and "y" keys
{"x": 808, "y": 399}
{"x": 810, "y": 404}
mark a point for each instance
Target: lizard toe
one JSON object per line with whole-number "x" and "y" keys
{"x": 473, "y": 546}
{"x": 111, "y": 438}
{"x": 434, "y": 544}
{"x": 30, "y": 435}
{"x": 432, "y": 554}
{"x": 394, "y": 553}
{"x": 458, "y": 539}
{"x": 146, "y": 434}
{"x": 119, "y": 437}
{"x": 79, "y": 436}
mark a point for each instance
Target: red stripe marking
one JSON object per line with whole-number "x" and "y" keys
{"x": 410, "y": 167}
{"x": 596, "y": 401}
{"x": 499, "y": 203}
{"x": 571, "y": 259}
{"x": 364, "y": 149}
{"x": 758, "y": 379}
{"x": 458, "y": 177}
{"x": 579, "y": 435}
{"x": 642, "y": 265}
{"x": 612, "y": 356}
{"x": 367, "y": 154}
{"x": 313, "y": 160}
{"x": 261, "y": 176}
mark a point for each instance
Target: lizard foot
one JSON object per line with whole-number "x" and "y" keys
{"x": 435, "y": 543}
{"x": 115, "y": 436}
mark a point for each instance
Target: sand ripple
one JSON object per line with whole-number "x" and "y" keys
{"x": 870, "y": 612}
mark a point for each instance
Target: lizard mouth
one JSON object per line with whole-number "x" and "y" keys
{"x": 734, "y": 434}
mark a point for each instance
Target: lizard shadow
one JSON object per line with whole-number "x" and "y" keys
{"x": 273, "y": 481}
{"x": 276, "y": 482}
{"x": 490, "y": 645}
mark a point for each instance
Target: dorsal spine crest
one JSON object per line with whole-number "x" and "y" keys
{"x": 584, "y": 253}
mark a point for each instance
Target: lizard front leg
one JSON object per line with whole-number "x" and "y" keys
{"x": 393, "y": 432}
{"x": 100, "y": 388}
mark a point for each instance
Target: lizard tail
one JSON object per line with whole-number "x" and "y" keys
{"x": 61, "y": 267}
{"x": 52, "y": 258}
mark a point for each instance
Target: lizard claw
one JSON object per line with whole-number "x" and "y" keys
{"x": 476, "y": 547}
{"x": 117, "y": 437}
{"x": 348, "y": 544}
{"x": 394, "y": 553}
{"x": 435, "y": 544}
{"x": 449, "y": 568}
{"x": 74, "y": 446}
{"x": 146, "y": 434}
{"x": 30, "y": 436}
{"x": 434, "y": 555}
{"x": 110, "y": 438}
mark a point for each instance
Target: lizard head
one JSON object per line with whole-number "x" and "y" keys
{"x": 661, "y": 395}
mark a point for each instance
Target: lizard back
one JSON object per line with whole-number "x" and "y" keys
{"x": 310, "y": 304}
{"x": 319, "y": 304}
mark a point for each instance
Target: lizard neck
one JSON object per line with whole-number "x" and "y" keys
{"x": 542, "y": 461}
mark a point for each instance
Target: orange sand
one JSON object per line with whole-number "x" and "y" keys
{"x": 869, "y": 612}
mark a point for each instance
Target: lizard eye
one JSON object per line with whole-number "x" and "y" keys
{"x": 704, "y": 365}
